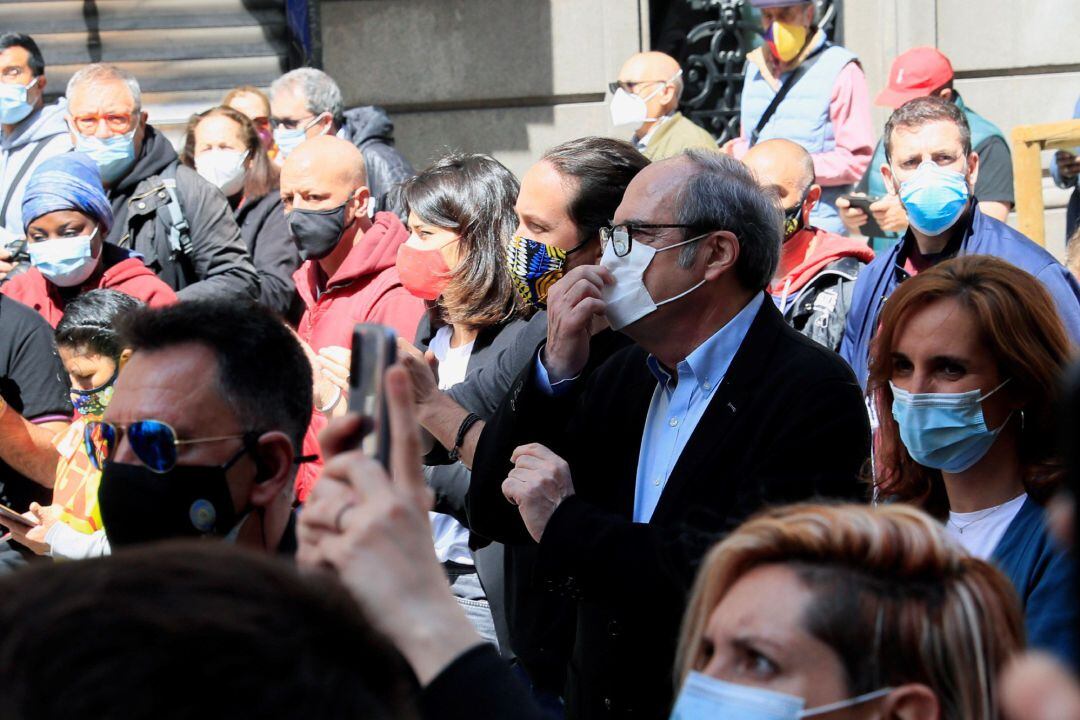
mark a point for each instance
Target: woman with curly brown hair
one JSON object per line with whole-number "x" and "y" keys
{"x": 965, "y": 371}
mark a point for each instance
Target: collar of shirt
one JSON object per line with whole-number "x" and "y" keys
{"x": 709, "y": 362}
{"x": 644, "y": 142}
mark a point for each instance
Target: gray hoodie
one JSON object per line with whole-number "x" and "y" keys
{"x": 47, "y": 126}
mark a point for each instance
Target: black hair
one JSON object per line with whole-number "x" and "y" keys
{"x": 474, "y": 196}
{"x": 923, "y": 111}
{"x": 262, "y": 372}
{"x": 16, "y": 39}
{"x": 185, "y": 629}
{"x": 602, "y": 168}
{"x": 90, "y": 320}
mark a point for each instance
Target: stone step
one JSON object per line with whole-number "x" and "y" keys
{"x": 38, "y": 17}
{"x": 175, "y": 44}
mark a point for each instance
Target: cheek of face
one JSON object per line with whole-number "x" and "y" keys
{"x": 542, "y": 208}
{"x": 757, "y": 638}
{"x": 936, "y": 142}
{"x": 87, "y": 370}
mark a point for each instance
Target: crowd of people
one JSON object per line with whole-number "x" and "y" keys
{"x": 770, "y": 429}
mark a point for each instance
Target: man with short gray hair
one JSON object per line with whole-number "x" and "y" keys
{"x": 729, "y": 410}
{"x": 179, "y": 224}
{"x": 306, "y": 103}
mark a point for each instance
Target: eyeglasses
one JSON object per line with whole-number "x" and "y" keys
{"x": 621, "y": 236}
{"x": 117, "y": 122}
{"x": 291, "y": 123}
{"x": 629, "y": 86}
{"x": 153, "y": 442}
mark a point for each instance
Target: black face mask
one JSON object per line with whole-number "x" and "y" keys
{"x": 139, "y": 505}
{"x": 793, "y": 221}
{"x": 317, "y": 232}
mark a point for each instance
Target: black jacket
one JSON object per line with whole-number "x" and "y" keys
{"x": 369, "y": 128}
{"x": 218, "y": 264}
{"x": 787, "y": 423}
{"x": 274, "y": 253}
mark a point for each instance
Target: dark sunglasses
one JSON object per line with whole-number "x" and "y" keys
{"x": 153, "y": 442}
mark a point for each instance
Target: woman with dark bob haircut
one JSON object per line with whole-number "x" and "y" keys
{"x": 965, "y": 374}
{"x": 461, "y": 217}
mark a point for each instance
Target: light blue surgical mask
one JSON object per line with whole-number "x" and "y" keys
{"x": 934, "y": 198}
{"x": 706, "y": 698}
{"x": 13, "y": 105}
{"x": 114, "y": 155}
{"x": 65, "y": 262}
{"x": 288, "y": 140}
{"x": 944, "y": 431}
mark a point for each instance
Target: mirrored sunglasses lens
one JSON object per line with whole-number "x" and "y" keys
{"x": 154, "y": 443}
{"x": 99, "y": 439}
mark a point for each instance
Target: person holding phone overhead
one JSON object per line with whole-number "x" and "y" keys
{"x": 462, "y": 222}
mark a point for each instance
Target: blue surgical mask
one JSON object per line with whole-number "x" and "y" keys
{"x": 65, "y": 262}
{"x": 114, "y": 155}
{"x": 706, "y": 698}
{"x": 288, "y": 140}
{"x": 944, "y": 431}
{"x": 934, "y": 198}
{"x": 13, "y": 105}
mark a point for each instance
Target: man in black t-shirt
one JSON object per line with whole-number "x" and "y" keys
{"x": 34, "y": 407}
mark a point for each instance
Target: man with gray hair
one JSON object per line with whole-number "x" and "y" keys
{"x": 306, "y": 103}
{"x": 179, "y": 224}
{"x": 728, "y": 407}
{"x": 646, "y": 98}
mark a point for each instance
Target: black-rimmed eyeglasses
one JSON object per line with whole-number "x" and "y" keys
{"x": 621, "y": 236}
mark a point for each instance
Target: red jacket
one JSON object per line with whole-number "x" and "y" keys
{"x": 365, "y": 289}
{"x": 129, "y": 276}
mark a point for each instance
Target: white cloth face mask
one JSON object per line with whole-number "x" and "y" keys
{"x": 223, "y": 169}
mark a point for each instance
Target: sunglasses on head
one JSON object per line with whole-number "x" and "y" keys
{"x": 154, "y": 442}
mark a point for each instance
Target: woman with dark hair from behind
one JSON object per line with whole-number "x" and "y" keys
{"x": 461, "y": 216}
{"x": 223, "y": 146}
{"x": 93, "y": 354}
{"x": 965, "y": 372}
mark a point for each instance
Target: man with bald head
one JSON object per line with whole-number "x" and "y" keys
{"x": 348, "y": 274}
{"x": 646, "y": 98}
{"x": 816, "y": 276}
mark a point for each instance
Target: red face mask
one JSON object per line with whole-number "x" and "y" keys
{"x": 424, "y": 273}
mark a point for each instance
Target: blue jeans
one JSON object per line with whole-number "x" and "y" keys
{"x": 465, "y": 584}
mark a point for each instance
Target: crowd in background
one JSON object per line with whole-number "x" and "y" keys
{"x": 771, "y": 429}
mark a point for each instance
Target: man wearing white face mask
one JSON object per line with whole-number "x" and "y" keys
{"x": 932, "y": 169}
{"x": 625, "y": 477}
{"x": 646, "y": 98}
{"x": 178, "y": 222}
{"x": 30, "y": 133}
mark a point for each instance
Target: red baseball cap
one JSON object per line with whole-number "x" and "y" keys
{"x": 917, "y": 73}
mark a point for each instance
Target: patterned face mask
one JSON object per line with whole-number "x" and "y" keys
{"x": 535, "y": 267}
{"x": 92, "y": 403}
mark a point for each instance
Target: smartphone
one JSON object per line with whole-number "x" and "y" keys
{"x": 10, "y": 517}
{"x": 374, "y": 349}
{"x": 863, "y": 202}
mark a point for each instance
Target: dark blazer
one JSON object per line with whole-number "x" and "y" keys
{"x": 787, "y": 423}
{"x": 274, "y": 253}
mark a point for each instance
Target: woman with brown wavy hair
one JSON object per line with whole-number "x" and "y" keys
{"x": 964, "y": 374}
{"x": 869, "y": 609}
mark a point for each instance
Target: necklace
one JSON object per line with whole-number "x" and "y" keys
{"x": 985, "y": 514}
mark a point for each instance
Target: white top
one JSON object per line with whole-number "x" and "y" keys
{"x": 451, "y": 537}
{"x": 980, "y": 532}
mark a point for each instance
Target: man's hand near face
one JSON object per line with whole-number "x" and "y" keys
{"x": 572, "y": 304}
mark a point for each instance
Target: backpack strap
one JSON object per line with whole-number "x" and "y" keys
{"x": 179, "y": 230}
{"x": 792, "y": 78}
{"x": 19, "y": 176}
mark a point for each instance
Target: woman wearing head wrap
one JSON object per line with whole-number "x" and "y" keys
{"x": 67, "y": 218}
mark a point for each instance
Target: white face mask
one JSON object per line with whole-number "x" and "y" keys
{"x": 706, "y": 698}
{"x": 627, "y": 299}
{"x": 65, "y": 262}
{"x": 628, "y": 109}
{"x": 223, "y": 168}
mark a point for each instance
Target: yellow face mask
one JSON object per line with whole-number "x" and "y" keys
{"x": 786, "y": 40}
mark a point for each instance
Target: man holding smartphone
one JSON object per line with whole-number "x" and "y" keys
{"x": 922, "y": 72}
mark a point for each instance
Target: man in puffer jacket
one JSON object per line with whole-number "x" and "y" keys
{"x": 306, "y": 103}
{"x": 815, "y": 280}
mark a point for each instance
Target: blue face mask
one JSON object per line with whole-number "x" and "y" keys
{"x": 934, "y": 198}
{"x": 114, "y": 155}
{"x": 944, "y": 431}
{"x": 13, "y": 105}
{"x": 706, "y": 698}
{"x": 65, "y": 262}
{"x": 288, "y": 140}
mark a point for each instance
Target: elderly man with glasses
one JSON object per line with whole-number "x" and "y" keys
{"x": 179, "y": 223}
{"x": 624, "y": 478}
